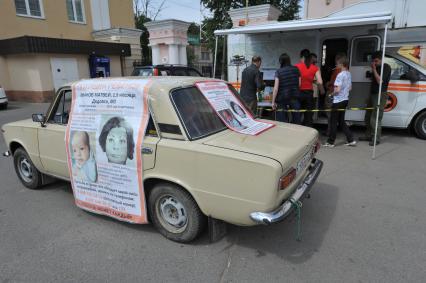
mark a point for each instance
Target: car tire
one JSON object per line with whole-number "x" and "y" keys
{"x": 420, "y": 126}
{"x": 25, "y": 169}
{"x": 4, "y": 106}
{"x": 175, "y": 213}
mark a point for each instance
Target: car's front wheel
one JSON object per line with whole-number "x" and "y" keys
{"x": 175, "y": 213}
{"x": 420, "y": 125}
{"x": 25, "y": 169}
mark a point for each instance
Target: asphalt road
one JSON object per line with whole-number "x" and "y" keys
{"x": 365, "y": 222}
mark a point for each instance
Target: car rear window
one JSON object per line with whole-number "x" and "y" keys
{"x": 193, "y": 73}
{"x": 195, "y": 112}
{"x": 142, "y": 72}
{"x": 179, "y": 72}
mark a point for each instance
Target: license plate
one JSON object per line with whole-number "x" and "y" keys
{"x": 303, "y": 163}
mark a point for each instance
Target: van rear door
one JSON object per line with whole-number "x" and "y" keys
{"x": 362, "y": 47}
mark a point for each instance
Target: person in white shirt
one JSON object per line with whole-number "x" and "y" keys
{"x": 342, "y": 86}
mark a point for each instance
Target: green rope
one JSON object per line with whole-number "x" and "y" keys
{"x": 298, "y": 206}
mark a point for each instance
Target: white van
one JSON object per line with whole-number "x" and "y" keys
{"x": 358, "y": 35}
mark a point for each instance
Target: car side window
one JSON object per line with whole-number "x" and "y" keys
{"x": 61, "y": 111}
{"x": 399, "y": 69}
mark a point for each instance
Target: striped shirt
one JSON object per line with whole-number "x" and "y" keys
{"x": 288, "y": 87}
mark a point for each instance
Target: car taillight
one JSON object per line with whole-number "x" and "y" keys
{"x": 317, "y": 146}
{"x": 155, "y": 72}
{"x": 286, "y": 180}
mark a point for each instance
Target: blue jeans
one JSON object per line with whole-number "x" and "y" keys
{"x": 292, "y": 104}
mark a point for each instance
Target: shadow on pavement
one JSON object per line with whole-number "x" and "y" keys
{"x": 280, "y": 239}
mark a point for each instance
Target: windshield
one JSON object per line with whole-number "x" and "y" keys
{"x": 197, "y": 116}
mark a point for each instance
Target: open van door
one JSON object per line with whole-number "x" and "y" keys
{"x": 362, "y": 48}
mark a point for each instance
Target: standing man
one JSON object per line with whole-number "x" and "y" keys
{"x": 370, "y": 116}
{"x": 251, "y": 83}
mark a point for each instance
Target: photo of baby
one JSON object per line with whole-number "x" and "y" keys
{"x": 83, "y": 157}
{"x": 230, "y": 119}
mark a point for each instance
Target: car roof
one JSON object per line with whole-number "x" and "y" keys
{"x": 162, "y": 66}
{"x": 169, "y": 82}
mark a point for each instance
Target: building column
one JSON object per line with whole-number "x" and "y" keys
{"x": 173, "y": 54}
{"x": 182, "y": 55}
{"x": 156, "y": 60}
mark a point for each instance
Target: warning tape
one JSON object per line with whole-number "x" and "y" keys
{"x": 315, "y": 110}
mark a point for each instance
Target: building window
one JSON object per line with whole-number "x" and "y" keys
{"x": 205, "y": 56}
{"x": 75, "y": 11}
{"x": 29, "y": 8}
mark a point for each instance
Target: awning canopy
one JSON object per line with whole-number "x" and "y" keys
{"x": 322, "y": 23}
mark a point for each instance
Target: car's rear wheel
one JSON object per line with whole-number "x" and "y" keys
{"x": 420, "y": 125}
{"x": 25, "y": 169}
{"x": 175, "y": 213}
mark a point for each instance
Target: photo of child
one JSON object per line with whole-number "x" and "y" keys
{"x": 237, "y": 110}
{"x": 230, "y": 119}
{"x": 117, "y": 141}
{"x": 83, "y": 157}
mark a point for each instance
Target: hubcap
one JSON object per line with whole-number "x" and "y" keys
{"x": 173, "y": 213}
{"x": 25, "y": 170}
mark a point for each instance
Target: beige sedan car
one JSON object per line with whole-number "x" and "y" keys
{"x": 193, "y": 168}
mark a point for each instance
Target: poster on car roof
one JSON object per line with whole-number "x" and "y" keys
{"x": 230, "y": 109}
{"x": 103, "y": 140}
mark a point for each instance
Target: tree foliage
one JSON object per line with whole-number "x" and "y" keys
{"x": 145, "y": 11}
{"x": 148, "y": 8}
{"x": 219, "y": 8}
{"x": 140, "y": 24}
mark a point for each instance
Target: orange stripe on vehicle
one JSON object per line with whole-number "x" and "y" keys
{"x": 407, "y": 85}
{"x": 407, "y": 89}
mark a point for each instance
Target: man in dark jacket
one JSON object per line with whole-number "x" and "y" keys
{"x": 370, "y": 116}
{"x": 250, "y": 83}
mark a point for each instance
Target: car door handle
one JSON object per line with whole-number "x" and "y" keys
{"x": 146, "y": 150}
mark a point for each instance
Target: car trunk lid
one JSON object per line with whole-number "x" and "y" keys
{"x": 284, "y": 143}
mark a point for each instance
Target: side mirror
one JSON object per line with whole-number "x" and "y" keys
{"x": 38, "y": 118}
{"x": 412, "y": 76}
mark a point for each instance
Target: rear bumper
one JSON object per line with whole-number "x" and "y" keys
{"x": 287, "y": 207}
{"x": 3, "y": 101}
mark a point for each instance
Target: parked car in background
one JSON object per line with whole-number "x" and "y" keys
{"x": 166, "y": 70}
{"x": 3, "y": 99}
{"x": 191, "y": 160}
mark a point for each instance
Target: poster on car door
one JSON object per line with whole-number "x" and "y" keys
{"x": 103, "y": 141}
{"x": 230, "y": 109}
